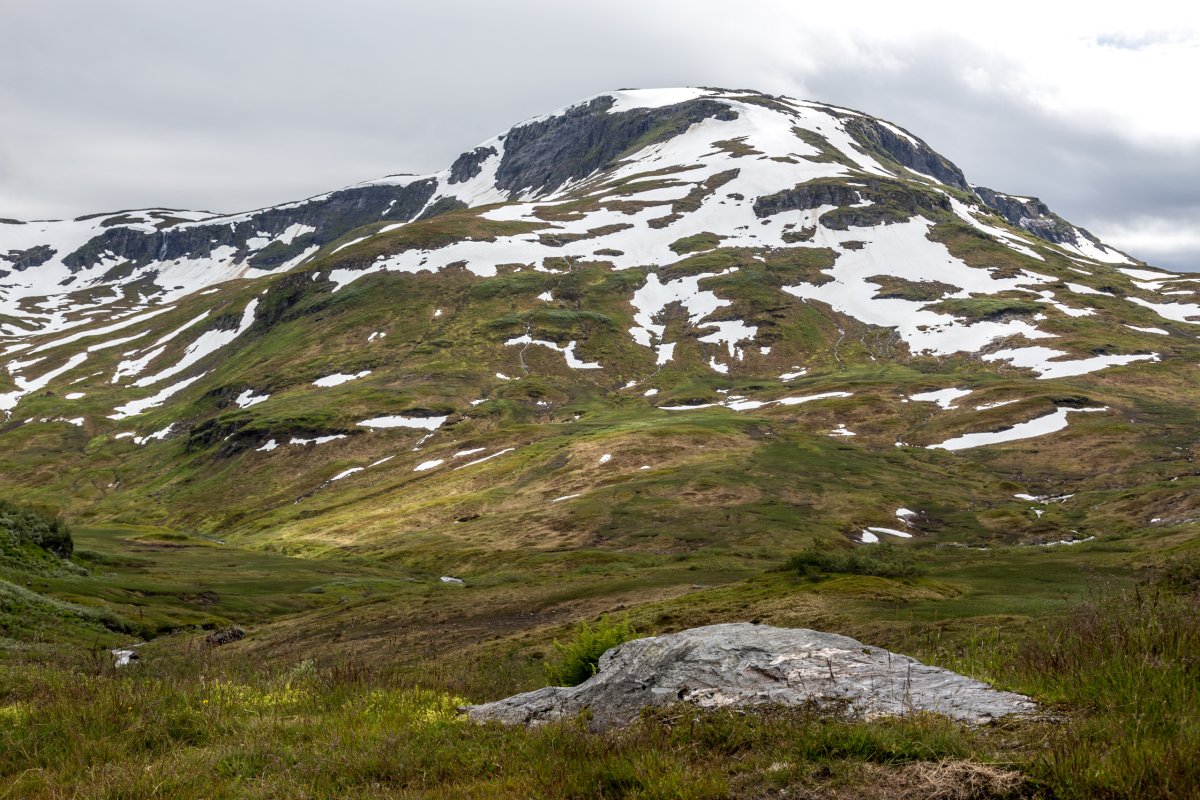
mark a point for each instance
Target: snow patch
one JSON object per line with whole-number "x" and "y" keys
{"x": 1039, "y": 426}
{"x": 396, "y": 421}
{"x": 338, "y": 378}
{"x": 943, "y": 397}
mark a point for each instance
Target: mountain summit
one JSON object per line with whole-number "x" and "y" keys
{"x": 656, "y": 320}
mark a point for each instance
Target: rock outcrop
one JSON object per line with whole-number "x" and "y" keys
{"x": 741, "y": 664}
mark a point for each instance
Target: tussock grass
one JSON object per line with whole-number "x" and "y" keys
{"x": 194, "y": 732}
{"x": 1128, "y": 665}
{"x": 1120, "y": 671}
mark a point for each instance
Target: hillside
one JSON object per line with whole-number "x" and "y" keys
{"x": 627, "y": 357}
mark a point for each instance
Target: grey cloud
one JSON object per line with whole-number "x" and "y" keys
{"x": 1087, "y": 173}
{"x": 229, "y": 105}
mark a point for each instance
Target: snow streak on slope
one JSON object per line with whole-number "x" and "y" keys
{"x": 1039, "y": 426}
{"x": 207, "y": 343}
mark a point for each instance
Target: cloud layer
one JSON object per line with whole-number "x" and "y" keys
{"x": 229, "y": 105}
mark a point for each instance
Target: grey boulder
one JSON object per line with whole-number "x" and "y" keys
{"x": 742, "y": 664}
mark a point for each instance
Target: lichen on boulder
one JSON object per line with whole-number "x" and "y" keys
{"x": 743, "y": 664}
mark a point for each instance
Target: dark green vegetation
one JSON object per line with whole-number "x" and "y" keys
{"x": 28, "y": 535}
{"x": 886, "y": 561}
{"x": 578, "y": 658}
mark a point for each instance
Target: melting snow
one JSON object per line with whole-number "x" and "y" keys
{"x": 943, "y": 397}
{"x": 428, "y": 465}
{"x": 338, "y": 378}
{"x": 890, "y": 532}
{"x": 1039, "y": 359}
{"x": 316, "y": 440}
{"x": 568, "y": 351}
{"x": 249, "y": 398}
{"x": 157, "y": 435}
{"x": 486, "y": 458}
{"x": 904, "y": 251}
{"x": 426, "y": 423}
{"x": 207, "y": 343}
{"x": 1177, "y": 312}
{"x": 1068, "y": 542}
{"x": 9, "y": 400}
{"x": 136, "y": 407}
{"x": 998, "y": 404}
{"x": 1079, "y": 288}
{"x": 738, "y": 403}
{"x": 1039, "y": 426}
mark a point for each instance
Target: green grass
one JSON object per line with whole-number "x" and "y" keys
{"x": 347, "y": 733}
{"x": 1117, "y": 673}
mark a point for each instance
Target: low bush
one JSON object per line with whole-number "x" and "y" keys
{"x": 882, "y": 560}
{"x": 20, "y": 525}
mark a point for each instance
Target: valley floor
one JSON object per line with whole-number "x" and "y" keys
{"x": 347, "y": 682}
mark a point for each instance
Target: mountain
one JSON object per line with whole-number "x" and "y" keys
{"x": 325, "y": 472}
{"x": 659, "y": 321}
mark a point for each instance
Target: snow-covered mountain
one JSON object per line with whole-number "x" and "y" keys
{"x": 686, "y": 251}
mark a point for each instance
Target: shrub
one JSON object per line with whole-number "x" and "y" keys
{"x": 579, "y": 657}
{"x": 883, "y": 560}
{"x": 21, "y": 525}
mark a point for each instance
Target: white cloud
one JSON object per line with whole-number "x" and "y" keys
{"x": 1156, "y": 239}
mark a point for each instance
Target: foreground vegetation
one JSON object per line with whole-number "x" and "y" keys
{"x": 314, "y": 704}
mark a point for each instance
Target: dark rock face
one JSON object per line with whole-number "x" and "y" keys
{"x": 543, "y": 155}
{"x": 468, "y": 165}
{"x": 332, "y": 216}
{"x": 225, "y": 636}
{"x": 441, "y": 206}
{"x": 1034, "y": 216}
{"x": 890, "y": 202}
{"x": 33, "y": 257}
{"x": 740, "y": 664}
{"x": 806, "y": 197}
{"x": 879, "y": 139}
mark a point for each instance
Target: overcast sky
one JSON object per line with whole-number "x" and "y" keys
{"x": 228, "y": 105}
